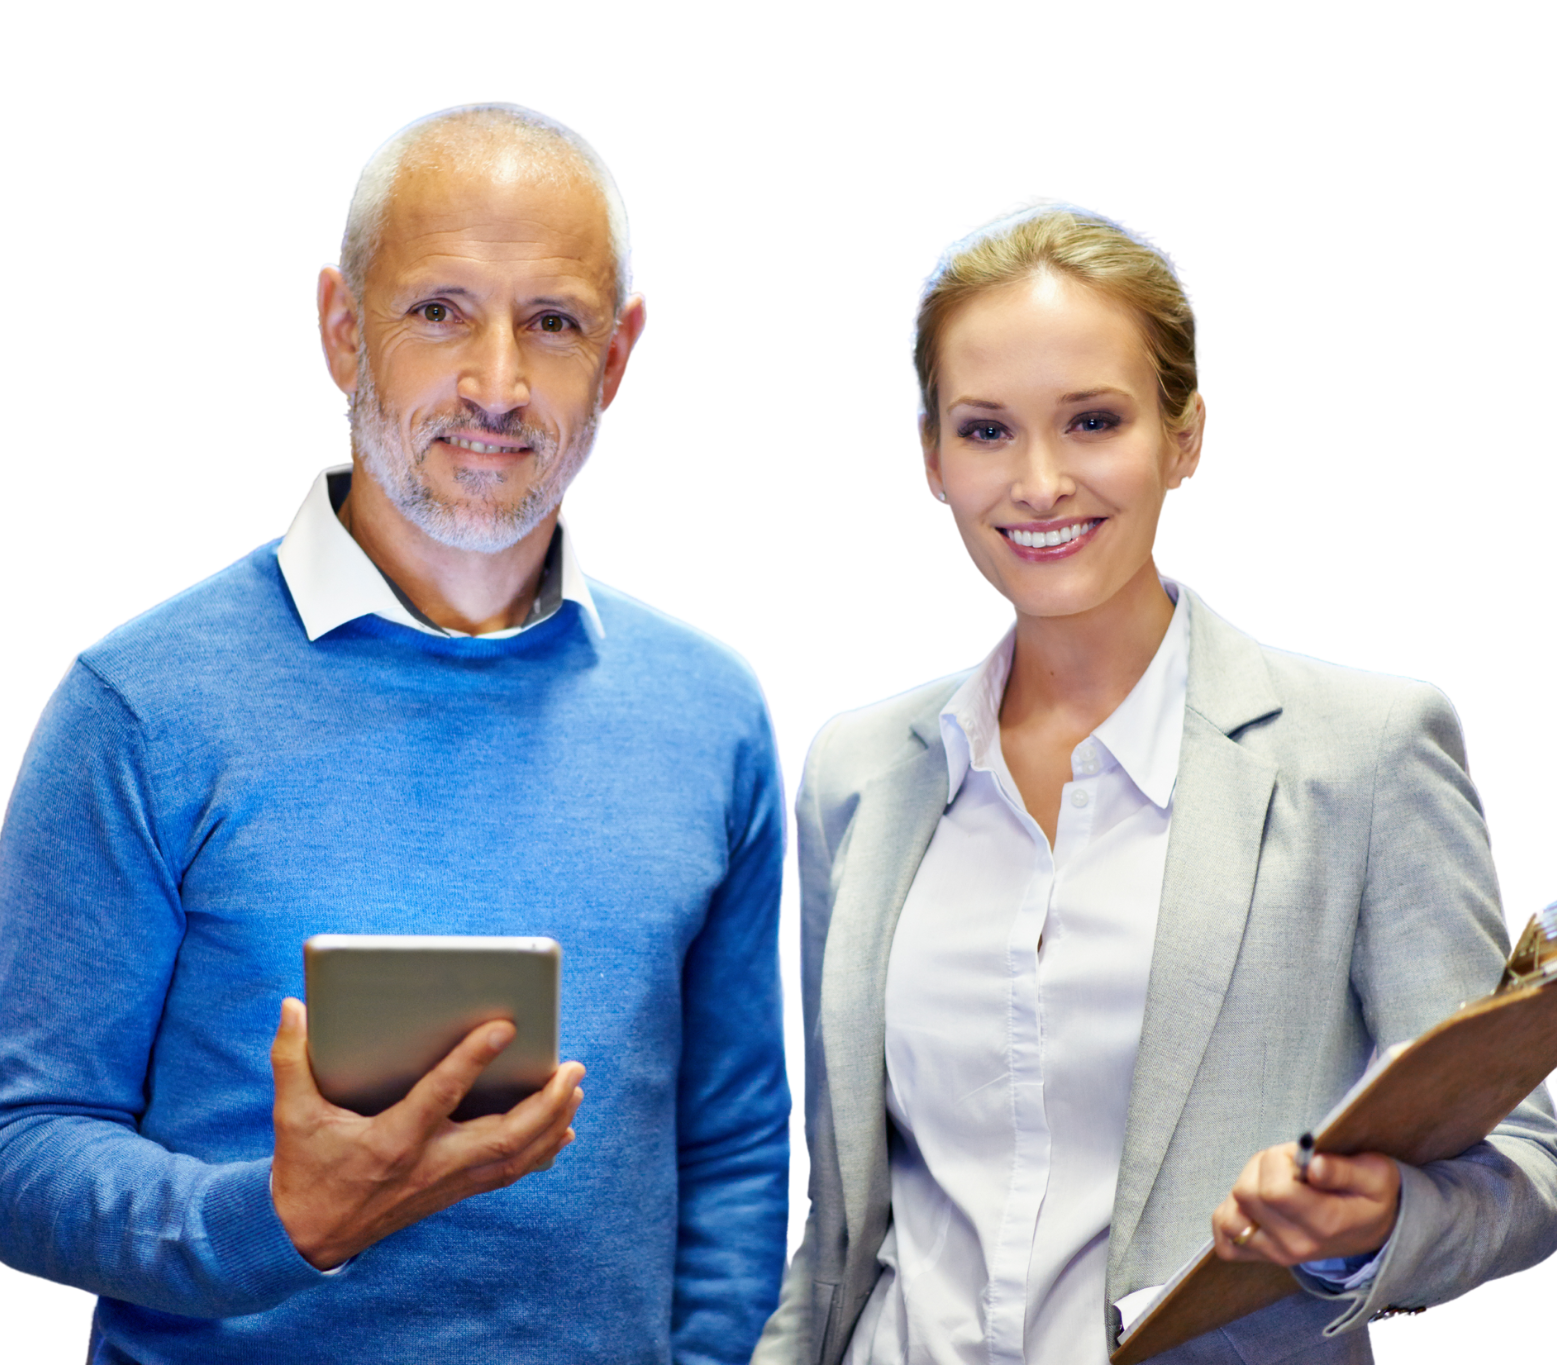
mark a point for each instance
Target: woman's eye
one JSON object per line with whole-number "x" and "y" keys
{"x": 554, "y": 322}
{"x": 982, "y": 431}
{"x": 435, "y": 312}
{"x": 1095, "y": 421}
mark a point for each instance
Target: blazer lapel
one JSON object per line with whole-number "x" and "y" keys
{"x": 892, "y": 828}
{"x": 1219, "y": 806}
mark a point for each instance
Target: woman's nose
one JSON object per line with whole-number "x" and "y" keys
{"x": 1041, "y": 480}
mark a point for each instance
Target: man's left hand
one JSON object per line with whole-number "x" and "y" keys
{"x": 1346, "y": 1207}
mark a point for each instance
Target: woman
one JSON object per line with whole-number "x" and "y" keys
{"x": 1135, "y": 899}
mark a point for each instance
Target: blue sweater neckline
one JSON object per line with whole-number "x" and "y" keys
{"x": 550, "y": 631}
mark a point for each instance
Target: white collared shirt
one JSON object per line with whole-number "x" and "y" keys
{"x": 1009, "y": 1067}
{"x": 332, "y": 580}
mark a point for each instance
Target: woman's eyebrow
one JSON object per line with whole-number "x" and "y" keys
{"x": 1080, "y": 396}
{"x": 976, "y": 403}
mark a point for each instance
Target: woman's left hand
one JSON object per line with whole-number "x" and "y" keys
{"x": 1346, "y": 1207}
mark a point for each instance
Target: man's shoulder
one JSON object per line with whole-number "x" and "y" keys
{"x": 664, "y": 652}
{"x": 217, "y": 623}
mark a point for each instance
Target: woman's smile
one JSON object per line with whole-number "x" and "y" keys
{"x": 1040, "y": 542}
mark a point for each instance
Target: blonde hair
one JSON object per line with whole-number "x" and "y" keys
{"x": 1077, "y": 245}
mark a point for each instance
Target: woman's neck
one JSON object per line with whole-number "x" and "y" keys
{"x": 1070, "y": 673}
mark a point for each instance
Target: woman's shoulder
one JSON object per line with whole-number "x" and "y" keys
{"x": 856, "y": 746}
{"x": 1305, "y": 679}
{"x": 1345, "y": 704}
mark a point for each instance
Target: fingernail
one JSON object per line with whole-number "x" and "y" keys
{"x": 496, "y": 1038}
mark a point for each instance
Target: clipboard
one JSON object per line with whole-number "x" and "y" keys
{"x": 1423, "y": 1101}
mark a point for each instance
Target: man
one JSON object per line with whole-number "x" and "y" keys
{"x": 414, "y": 716}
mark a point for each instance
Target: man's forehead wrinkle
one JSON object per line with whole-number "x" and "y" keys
{"x": 525, "y": 262}
{"x": 438, "y": 199}
{"x": 458, "y": 237}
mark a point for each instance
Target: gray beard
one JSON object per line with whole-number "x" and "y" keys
{"x": 483, "y": 520}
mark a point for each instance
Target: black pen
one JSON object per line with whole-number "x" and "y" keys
{"x": 1305, "y": 1154}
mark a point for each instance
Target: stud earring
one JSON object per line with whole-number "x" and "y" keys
{"x": 942, "y": 495}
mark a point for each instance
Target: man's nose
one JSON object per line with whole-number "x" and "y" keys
{"x": 493, "y": 374}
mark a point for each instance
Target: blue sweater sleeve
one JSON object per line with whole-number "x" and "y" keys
{"x": 90, "y": 929}
{"x": 733, "y": 1102}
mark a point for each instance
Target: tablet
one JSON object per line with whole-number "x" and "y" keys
{"x": 384, "y": 1009}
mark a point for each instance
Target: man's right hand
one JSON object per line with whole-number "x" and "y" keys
{"x": 341, "y": 1182}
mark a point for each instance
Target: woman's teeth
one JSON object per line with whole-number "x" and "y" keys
{"x": 1036, "y": 540}
{"x": 479, "y": 447}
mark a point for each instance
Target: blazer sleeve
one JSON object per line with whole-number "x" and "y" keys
{"x": 788, "y": 1338}
{"x": 1430, "y": 934}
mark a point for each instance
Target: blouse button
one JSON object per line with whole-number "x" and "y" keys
{"x": 1078, "y": 798}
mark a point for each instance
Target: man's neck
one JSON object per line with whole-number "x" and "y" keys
{"x": 463, "y": 590}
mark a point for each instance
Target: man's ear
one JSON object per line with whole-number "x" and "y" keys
{"x": 340, "y": 330}
{"x": 931, "y": 446}
{"x": 1186, "y": 456}
{"x": 629, "y": 327}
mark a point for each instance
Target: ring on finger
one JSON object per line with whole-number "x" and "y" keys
{"x": 1242, "y": 1239}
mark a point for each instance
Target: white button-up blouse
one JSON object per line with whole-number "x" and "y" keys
{"x": 1015, "y": 993}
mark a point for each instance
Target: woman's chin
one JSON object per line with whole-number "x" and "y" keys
{"x": 1110, "y": 605}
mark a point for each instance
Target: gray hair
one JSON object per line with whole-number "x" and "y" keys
{"x": 552, "y": 145}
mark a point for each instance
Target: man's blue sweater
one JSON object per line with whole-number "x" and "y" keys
{"x": 207, "y": 789}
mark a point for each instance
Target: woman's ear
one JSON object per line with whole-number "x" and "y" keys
{"x": 1186, "y": 445}
{"x": 929, "y": 443}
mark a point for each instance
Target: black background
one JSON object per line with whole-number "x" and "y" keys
{"x": 1375, "y": 486}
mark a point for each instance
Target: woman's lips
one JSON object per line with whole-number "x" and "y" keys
{"x": 1040, "y": 542}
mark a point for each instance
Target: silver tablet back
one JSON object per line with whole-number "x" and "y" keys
{"x": 383, "y": 1010}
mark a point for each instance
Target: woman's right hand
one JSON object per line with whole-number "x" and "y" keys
{"x": 1346, "y": 1206}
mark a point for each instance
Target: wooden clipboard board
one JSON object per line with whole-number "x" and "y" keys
{"x": 1426, "y": 1100}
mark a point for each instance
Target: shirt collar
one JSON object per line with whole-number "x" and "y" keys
{"x": 970, "y": 720}
{"x": 1143, "y": 734}
{"x": 332, "y": 580}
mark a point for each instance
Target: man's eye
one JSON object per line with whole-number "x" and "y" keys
{"x": 435, "y": 312}
{"x": 554, "y": 322}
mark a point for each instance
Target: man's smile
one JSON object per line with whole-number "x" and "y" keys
{"x": 486, "y": 447}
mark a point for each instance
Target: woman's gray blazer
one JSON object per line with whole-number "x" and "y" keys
{"x": 1328, "y": 889}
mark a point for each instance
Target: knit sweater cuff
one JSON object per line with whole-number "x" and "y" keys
{"x": 249, "y": 1245}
